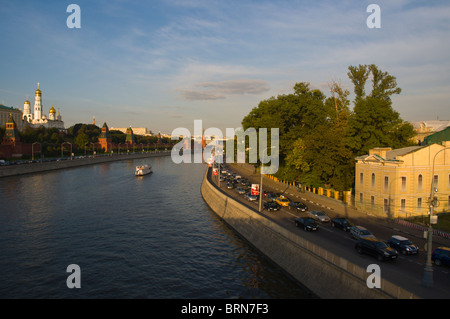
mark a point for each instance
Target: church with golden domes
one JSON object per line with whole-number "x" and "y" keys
{"x": 38, "y": 118}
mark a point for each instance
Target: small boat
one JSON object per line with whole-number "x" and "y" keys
{"x": 142, "y": 170}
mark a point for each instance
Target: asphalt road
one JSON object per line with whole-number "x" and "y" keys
{"x": 405, "y": 271}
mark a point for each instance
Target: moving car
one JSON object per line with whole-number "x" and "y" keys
{"x": 240, "y": 191}
{"x": 441, "y": 256}
{"x": 271, "y": 206}
{"x": 298, "y": 206}
{"x": 341, "y": 223}
{"x": 377, "y": 248}
{"x": 360, "y": 232}
{"x": 403, "y": 245}
{"x": 307, "y": 223}
{"x": 251, "y": 197}
{"x": 282, "y": 201}
{"x": 230, "y": 185}
{"x": 320, "y": 216}
{"x": 271, "y": 196}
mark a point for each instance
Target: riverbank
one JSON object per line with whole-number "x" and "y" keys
{"x": 29, "y": 168}
{"x": 325, "y": 274}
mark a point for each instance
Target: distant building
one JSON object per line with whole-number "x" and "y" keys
{"x": 426, "y": 128}
{"x": 136, "y": 130}
{"x": 37, "y": 118}
{"x": 130, "y": 136}
{"x": 16, "y": 113}
{"x": 438, "y": 137}
{"x": 11, "y": 146}
{"x": 397, "y": 183}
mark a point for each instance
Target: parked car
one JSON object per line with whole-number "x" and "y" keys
{"x": 307, "y": 223}
{"x": 320, "y": 216}
{"x": 298, "y": 206}
{"x": 441, "y": 256}
{"x": 403, "y": 245}
{"x": 230, "y": 185}
{"x": 359, "y": 232}
{"x": 271, "y": 206}
{"x": 282, "y": 201}
{"x": 377, "y": 248}
{"x": 341, "y": 223}
{"x": 240, "y": 190}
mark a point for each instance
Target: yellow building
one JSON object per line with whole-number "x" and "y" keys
{"x": 397, "y": 183}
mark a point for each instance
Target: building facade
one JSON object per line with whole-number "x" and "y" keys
{"x": 6, "y": 112}
{"x": 397, "y": 183}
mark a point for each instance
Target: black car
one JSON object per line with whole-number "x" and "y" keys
{"x": 441, "y": 256}
{"x": 403, "y": 245}
{"x": 271, "y": 206}
{"x": 377, "y": 248}
{"x": 341, "y": 223}
{"x": 307, "y": 223}
{"x": 300, "y": 207}
{"x": 230, "y": 185}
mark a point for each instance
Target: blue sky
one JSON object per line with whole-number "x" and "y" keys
{"x": 163, "y": 64}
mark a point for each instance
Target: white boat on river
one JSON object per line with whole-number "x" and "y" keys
{"x": 142, "y": 170}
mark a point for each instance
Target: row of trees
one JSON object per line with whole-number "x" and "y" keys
{"x": 320, "y": 136}
{"x": 80, "y": 136}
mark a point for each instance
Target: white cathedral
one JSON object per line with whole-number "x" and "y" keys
{"x": 37, "y": 118}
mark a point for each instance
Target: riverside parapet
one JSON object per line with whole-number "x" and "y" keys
{"x": 325, "y": 274}
{"x": 29, "y": 168}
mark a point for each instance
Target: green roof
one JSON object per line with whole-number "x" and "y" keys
{"x": 438, "y": 137}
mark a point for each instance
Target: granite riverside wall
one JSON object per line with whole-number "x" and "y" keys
{"x": 325, "y": 274}
{"x": 11, "y": 170}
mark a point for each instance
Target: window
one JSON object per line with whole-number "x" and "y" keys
{"x": 372, "y": 201}
{"x": 419, "y": 203}
{"x": 361, "y": 178}
{"x": 361, "y": 198}
{"x": 386, "y": 205}
{"x": 373, "y": 179}
{"x": 436, "y": 181}
{"x": 386, "y": 183}
{"x": 403, "y": 183}
{"x": 420, "y": 182}
{"x": 403, "y": 205}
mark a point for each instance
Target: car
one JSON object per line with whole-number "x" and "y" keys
{"x": 251, "y": 197}
{"x": 359, "y": 232}
{"x": 298, "y": 206}
{"x": 282, "y": 201}
{"x": 319, "y": 215}
{"x": 377, "y": 248}
{"x": 271, "y": 206}
{"x": 341, "y": 223}
{"x": 271, "y": 196}
{"x": 441, "y": 256}
{"x": 230, "y": 185}
{"x": 403, "y": 245}
{"x": 307, "y": 223}
{"x": 240, "y": 190}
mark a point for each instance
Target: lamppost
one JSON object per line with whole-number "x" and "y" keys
{"x": 427, "y": 280}
{"x": 32, "y": 150}
{"x": 261, "y": 184}
{"x": 62, "y": 144}
{"x": 93, "y": 149}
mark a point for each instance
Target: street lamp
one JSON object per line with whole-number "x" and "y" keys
{"x": 32, "y": 150}
{"x": 62, "y": 144}
{"x": 427, "y": 280}
{"x": 261, "y": 184}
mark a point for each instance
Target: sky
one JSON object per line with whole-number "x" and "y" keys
{"x": 161, "y": 64}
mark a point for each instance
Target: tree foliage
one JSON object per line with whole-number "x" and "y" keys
{"x": 321, "y": 136}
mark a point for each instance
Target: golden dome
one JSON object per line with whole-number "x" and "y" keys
{"x": 52, "y": 110}
{"x": 27, "y": 102}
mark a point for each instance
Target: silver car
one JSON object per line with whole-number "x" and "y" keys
{"x": 359, "y": 232}
{"x": 319, "y": 216}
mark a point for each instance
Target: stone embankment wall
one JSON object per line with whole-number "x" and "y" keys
{"x": 325, "y": 274}
{"x": 11, "y": 170}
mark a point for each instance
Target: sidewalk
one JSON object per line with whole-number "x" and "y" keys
{"x": 331, "y": 204}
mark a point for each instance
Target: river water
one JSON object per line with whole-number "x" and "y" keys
{"x": 149, "y": 237}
